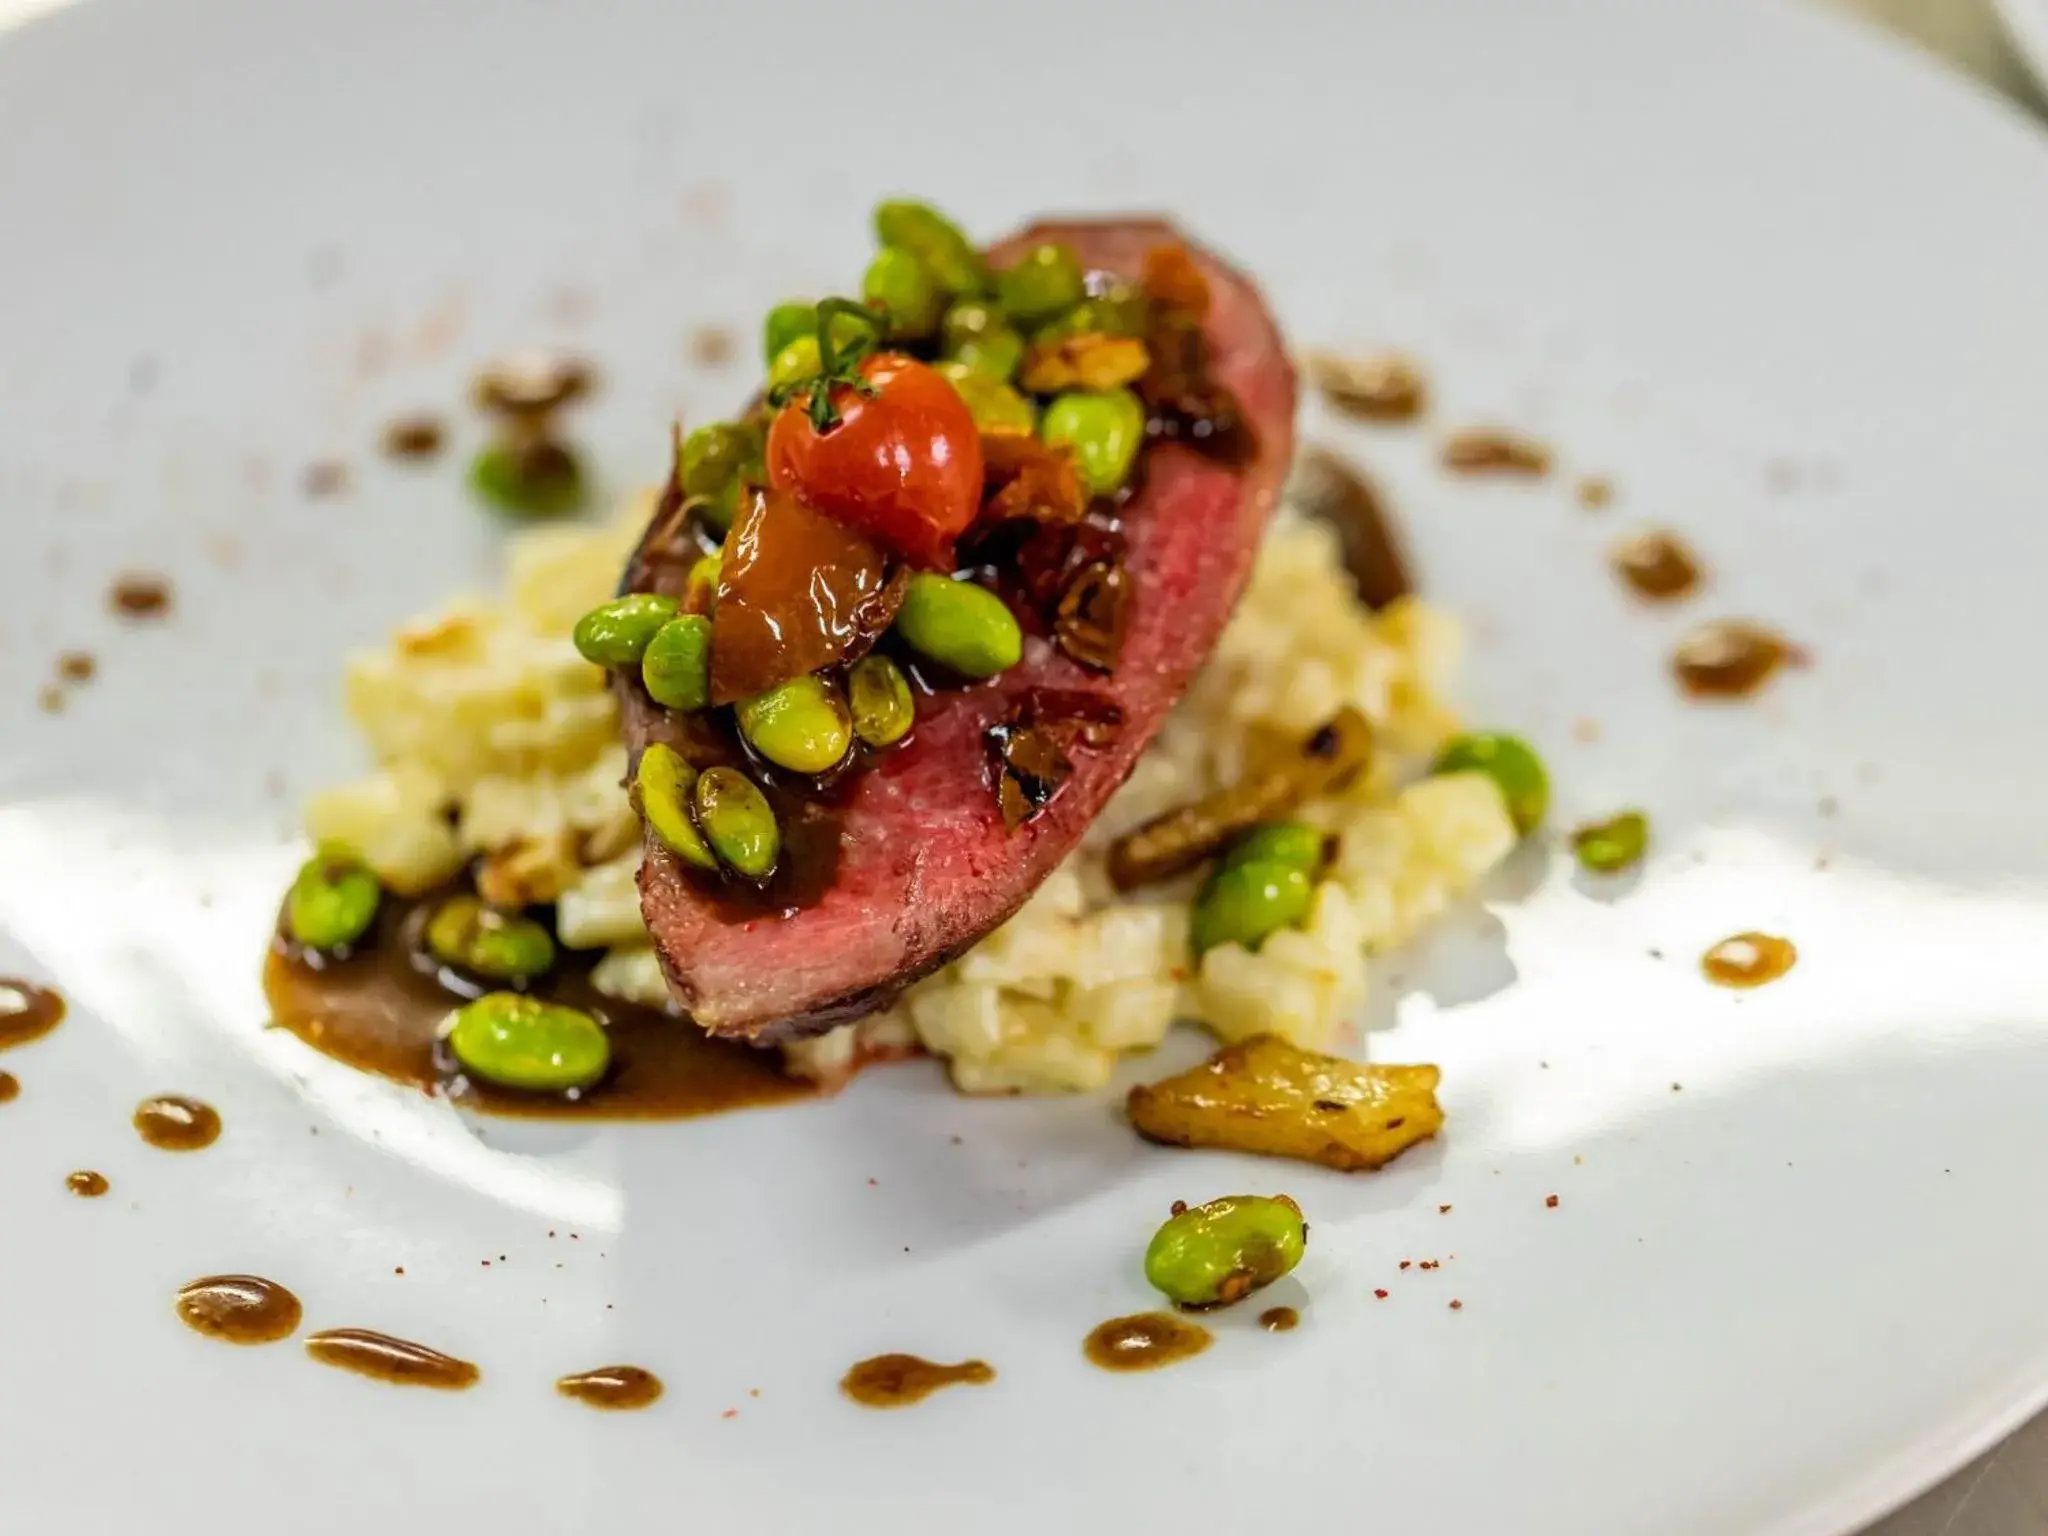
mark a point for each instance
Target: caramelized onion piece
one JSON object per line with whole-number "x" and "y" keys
{"x": 1094, "y": 612}
{"x": 1182, "y": 401}
{"x": 1341, "y": 496}
{"x": 1090, "y": 360}
{"x": 1028, "y": 750}
{"x": 1180, "y": 839}
{"x": 1173, "y": 281}
{"x": 796, "y": 592}
{"x": 1025, "y": 480}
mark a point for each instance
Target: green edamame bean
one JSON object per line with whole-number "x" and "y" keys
{"x": 1280, "y": 842}
{"x": 664, "y": 783}
{"x": 719, "y": 460}
{"x": 801, "y": 725}
{"x": 737, "y": 821}
{"x": 676, "y": 666}
{"x": 800, "y": 358}
{"x": 999, "y": 354}
{"x": 1215, "y": 1254}
{"x": 700, "y": 587}
{"x": 519, "y": 1042}
{"x": 960, "y": 625}
{"x": 1048, "y": 280}
{"x": 1104, "y": 428}
{"x": 1121, "y": 311}
{"x": 1511, "y": 763}
{"x": 968, "y": 320}
{"x": 615, "y": 634}
{"x": 909, "y": 296}
{"x": 994, "y": 405}
{"x": 786, "y": 322}
{"x": 938, "y": 242}
{"x": 333, "y": 900}
{"x": 529, "y": 480}
{"x": 878, "y": 696}
{"x": 1611, "y": 846}
{"x": 974, "y": 332}
{"x": 465, "y": 933}
{"x": 796, "y": 362}
{"x": 1247, "y": 903}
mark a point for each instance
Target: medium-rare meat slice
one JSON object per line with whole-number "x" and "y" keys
{"x": 920, "y": 863}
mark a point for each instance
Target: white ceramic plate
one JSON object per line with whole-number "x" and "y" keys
{"x": 1779, "y": 281}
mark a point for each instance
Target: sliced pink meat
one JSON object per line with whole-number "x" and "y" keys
{"x": 926, "y": 866}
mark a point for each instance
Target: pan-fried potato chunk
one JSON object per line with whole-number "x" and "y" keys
{"x": 1264, "y": 1095}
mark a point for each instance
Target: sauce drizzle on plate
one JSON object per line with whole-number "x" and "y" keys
{"x": 384, "y": 1358}
{"x": 1145, "y": 1342}
{"x": 896, "y": 1381}
{"x": 171, "y": 1122}
{"x": 27, "y": 1011}
{"x": 242, "y": 1309}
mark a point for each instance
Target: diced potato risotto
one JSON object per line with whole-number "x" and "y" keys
{"x": 496, "y": 742}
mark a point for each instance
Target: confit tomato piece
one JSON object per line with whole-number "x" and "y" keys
{"x": 902, "y": 464}
{"x": 797, "y": 591}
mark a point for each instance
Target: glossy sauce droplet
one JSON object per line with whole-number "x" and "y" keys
{"x": 1730, "y": 659}
{"x": 1279, "y": 1319}
{"x": 895, "y": 1381}
{"x": 1748, "y": 960}
{"x": 1145, "y": 1342}
{"x": 176, "y": 1124}
{"x": 400, "y": 1361}
{"x": 27, "y": 1011}
{"x": 86, "y": 1184}
{"x": 612, "y": 1387}
{"x": 10, "y": 1087}
{"x": 242, "y": 1309}
{"x": 1656, "y": 565}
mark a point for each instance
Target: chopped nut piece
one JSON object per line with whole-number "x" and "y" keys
{"x": 140, "y": 596}
{"x": 1090, "y": 360}
{"x": 1492, "y": 450}
{"x": 530, "y": 873}
{"x": 417, "y": 436}
{"x": 326, "y": 478}
{"x": 1263, "y": 1095}
{"x": 532, "y": 383}
{"x": 1378, "y": 386}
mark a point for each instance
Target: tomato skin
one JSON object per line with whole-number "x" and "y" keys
{"x": 902, "y": 466}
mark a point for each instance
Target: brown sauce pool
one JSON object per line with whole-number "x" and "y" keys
{"x": 1748, "y": 960}
{"x": 27, "y": 1011}
{"x": 10, "y": 1087}
{"x": 1279, "y": 1319}
{"x": 173, "y": 1123}
{"x": 380, "y": 1009}
{"x": 87, "y": 1184}
{"x": 896, "y": 1381}
{"x": 612, "y": 1387}
{"x": 1656, "y": 565}
{"x": 1145, "y": 1342}
{"x": 1731, "y": 659}
{"x": 383, "y": 1358}
{"x": 242, "y": 1309}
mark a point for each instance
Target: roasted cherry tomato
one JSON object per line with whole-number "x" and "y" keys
{"x": 901, "y": 463}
